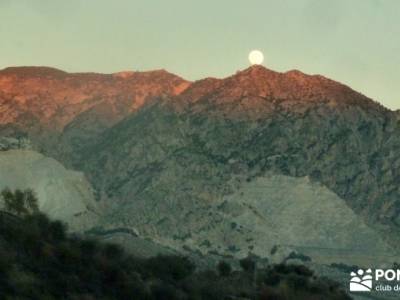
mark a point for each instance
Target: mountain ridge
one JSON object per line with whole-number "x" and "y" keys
{"x": 258, "y": 81}
{"x": 248, "y": 81}
{"x": 38, "y": 70}
{"x": 53, "y": 97}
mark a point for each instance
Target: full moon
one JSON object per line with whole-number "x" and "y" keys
{"x": 256, "y": 57}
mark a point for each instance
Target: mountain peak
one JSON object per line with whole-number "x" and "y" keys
{"x": 258, "y": 88}
{"x": 257, "y": 68}
{"x": 259, "y": 72}
{"x": 260, "y": 81}
{"x": 256, "y": 71}
{"x": 294, "y": 84}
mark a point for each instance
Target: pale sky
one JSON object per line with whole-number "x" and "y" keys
{"x": 356, "y": 42}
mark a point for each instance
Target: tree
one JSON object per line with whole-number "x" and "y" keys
{"x": 20, "y": 202}
{"x": 58, "y": 230}
{"x": 31, "y": 201}
{"x": 248, "y": 265}
{"x": 224, "y": 268}
{"x": 170, "y": 267}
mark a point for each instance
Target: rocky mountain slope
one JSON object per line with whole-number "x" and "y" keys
{"x": 273, "y": 212}
{"x": 164, "y": 155}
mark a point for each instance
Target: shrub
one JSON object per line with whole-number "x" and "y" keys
{"x": 20, "y": 202}
{"x": 57, "y": 231}
{"x": 113, "y": 251}
{"x": 248, "y": 264}
{"x": 171, "y": 267}
{"x": 224, "y": 268}
{"x": 164, "y": 291}
{"x": 299, "y": 256}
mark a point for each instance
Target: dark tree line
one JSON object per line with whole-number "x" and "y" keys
{"x": 39, "y": 260}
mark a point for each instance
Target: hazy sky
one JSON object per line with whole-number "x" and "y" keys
{"x": 353, "y": 41}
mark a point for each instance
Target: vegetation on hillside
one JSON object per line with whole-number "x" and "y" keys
{"x": 19, "y": 202}
{"x": 39, "y": 260}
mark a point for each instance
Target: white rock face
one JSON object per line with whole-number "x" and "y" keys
{"x": 63, "y": 194}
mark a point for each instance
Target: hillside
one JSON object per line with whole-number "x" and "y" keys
{"x": 40, "y": 261}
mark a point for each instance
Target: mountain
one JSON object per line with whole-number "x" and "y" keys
{"x": 177, "y": 162}
{"x": 165, "y": 169}
{"x": 42, "y": 101}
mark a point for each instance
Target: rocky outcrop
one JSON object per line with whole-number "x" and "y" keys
{"x": 64, "y": 195}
